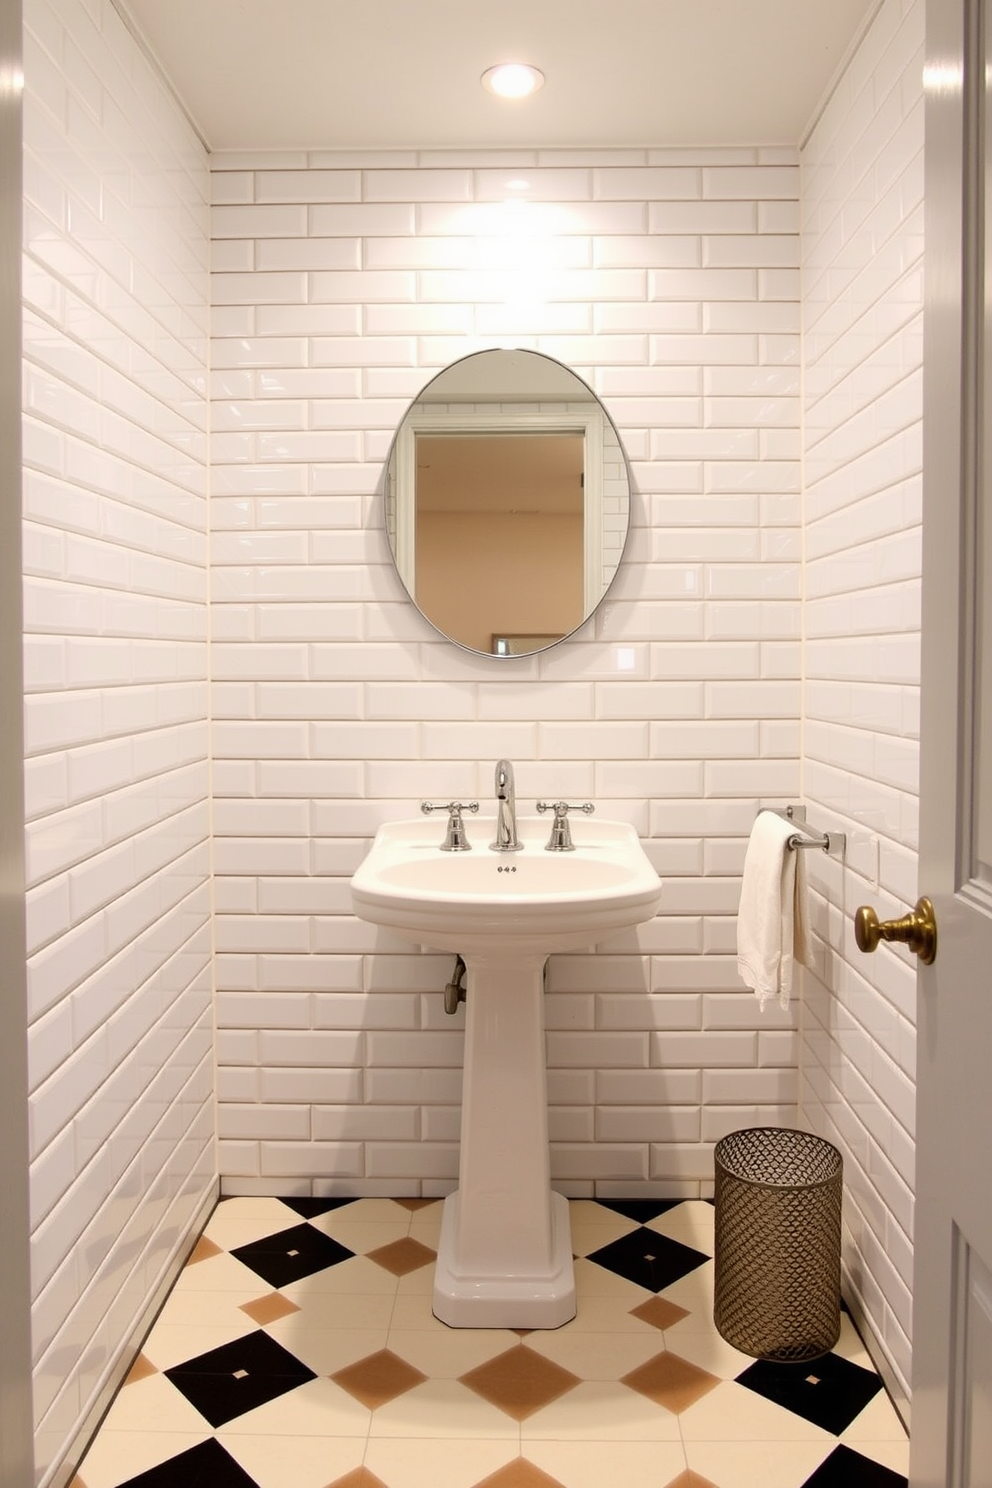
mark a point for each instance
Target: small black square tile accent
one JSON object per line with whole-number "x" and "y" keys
{"x": 640, "y": 1209}
{"x": 847, "y": 1469}
{"x": 238, "y": 1376}
{"x": 829, "y": 1391}
{"x": 648, "y": 1259}
{"x": 204, "y": 1466}
{"x": 310, "y": 1208}
{"x": 289, "y": 1255}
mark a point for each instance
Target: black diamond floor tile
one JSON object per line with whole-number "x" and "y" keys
{"x": 640, "y": 1209}
{"x": 847, "y": 1469}
{"x": 289, "y": 1255}
{"x": 238, "y": 1377}
{"x": 203, "y": 1466}
{"x": 310, "y": 1208}
{"x": 829, "y": 1391}
{"x": 650, "y": 1260}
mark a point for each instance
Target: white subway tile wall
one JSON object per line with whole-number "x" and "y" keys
{"x": 862, "y": 197}
{"x": 115, "y": 550}
{"x": 669, "y": 282}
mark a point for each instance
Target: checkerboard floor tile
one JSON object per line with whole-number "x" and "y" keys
{"x": 298, "y": 1350}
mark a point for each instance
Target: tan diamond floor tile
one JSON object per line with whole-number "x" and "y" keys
{"x": 140, "y": 1369}
{"x": 415, "y": 1205}
{"x": 116, "y": 1456}
{"x": 520, "y": 1474}
{"x": 401, "y": 1257}
{"x": 596, "y": 1464}
{"x": 378, "y": 1378}
{"x": 444, "y": 1462}
{"x": 451, "y": 1353}
{"x": 441, "y": 1409}
{"x": 603, "y": 1411}
{"x": 202, "y": 1251}
{"x": 303, "y": 1461}
{"x": 690, "y": 1479}
{"x": 520, "y": 1381}
{"x": 671, "y": 1381}
{"x": 757, "y": 1464}
{"x": 596, "y": 1356}
{"x": 659, "y": 1313}
{"x": 269, "y": 1309}
{"x": 359, "y": 1478}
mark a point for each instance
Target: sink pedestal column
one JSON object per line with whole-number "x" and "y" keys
{"x": 505, "y": 1255}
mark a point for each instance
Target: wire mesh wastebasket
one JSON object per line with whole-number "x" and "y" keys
{"x": 778, "y": 1209}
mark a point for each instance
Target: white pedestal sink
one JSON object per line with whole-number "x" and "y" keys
{"x": 505, "y": 1258}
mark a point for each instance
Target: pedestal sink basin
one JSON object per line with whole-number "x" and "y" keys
{"x": 505, "y": 1258}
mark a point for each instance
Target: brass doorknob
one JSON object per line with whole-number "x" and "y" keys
{"x": 918, "y": 930}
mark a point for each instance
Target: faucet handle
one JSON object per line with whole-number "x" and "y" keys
{"x": 455, "y": 839}
{"x": 561, "y": 832}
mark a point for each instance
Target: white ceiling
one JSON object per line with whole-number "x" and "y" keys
{"x": 383, "y": 74}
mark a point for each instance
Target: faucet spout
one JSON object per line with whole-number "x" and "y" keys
{"x": 506, "y": 810}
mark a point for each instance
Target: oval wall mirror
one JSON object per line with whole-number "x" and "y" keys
{"x": 507, "y": 502}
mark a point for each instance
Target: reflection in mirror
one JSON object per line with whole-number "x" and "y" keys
{"x": 507, "y": 502}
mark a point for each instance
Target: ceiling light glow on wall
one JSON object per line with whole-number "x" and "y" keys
{"x": 512, "y": 80}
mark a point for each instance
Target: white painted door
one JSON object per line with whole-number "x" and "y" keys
{"x": 952, "y": 1331}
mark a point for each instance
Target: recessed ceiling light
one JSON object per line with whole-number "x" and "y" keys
{"x": 512, "y": 80}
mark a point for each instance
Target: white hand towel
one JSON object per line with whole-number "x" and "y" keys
{"x": 772, "y": 920}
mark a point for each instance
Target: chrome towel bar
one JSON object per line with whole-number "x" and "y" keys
{"x": 833, "y": 843}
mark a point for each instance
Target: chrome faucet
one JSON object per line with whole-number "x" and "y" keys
{"x": 506, "y": 810}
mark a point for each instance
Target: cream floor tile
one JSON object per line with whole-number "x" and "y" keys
{"x": 419, "y": 1282}
{"x": 850, "y": 1346}
{"x": 601, "y": 1411}
{"x": 451, "y": 1353}
{"x": 609, "y": 1312}
{"x": 441, "y": 1463}
{"x": 756, "y": 1464}
{"x": 210, "y": 1309}
{"x": 892, "y": 1454}
{"x": 370, "y": 1211}
{"x": 592, "y": 1464}
{"x": 598, "y": 1356}
{"x": 220, "y": 1273}
{"x": 116, "y": 1456}
{"x": 357, "y": 1275}
{"x": 733, "y": 1413}
{"x": 300, "y": 1461}
{"x": 318, "y": 1408}
{"x": 588, "y": 1235}
{"x": 152, "y": 1404}
{"x": 326, "y": 1350}
{"x": 441, "y": 1409}
{"x": 691, "y": 1224}
{"x": 339, "y": 1309}
{"x": 877, "y": 1422}
{"x": 695, "y": 1291}
{"x": 174, "y": 1343}
{"x": 586, "y": 1212}
{"x": 234, "y": 1224}
{"x": 412, "y": 1313}
{"x": 697, "y": 1340}
{"x": 425, "y": 1225}
{"x": 592, "y": 1280}
{"x": 361, "y": 1236}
